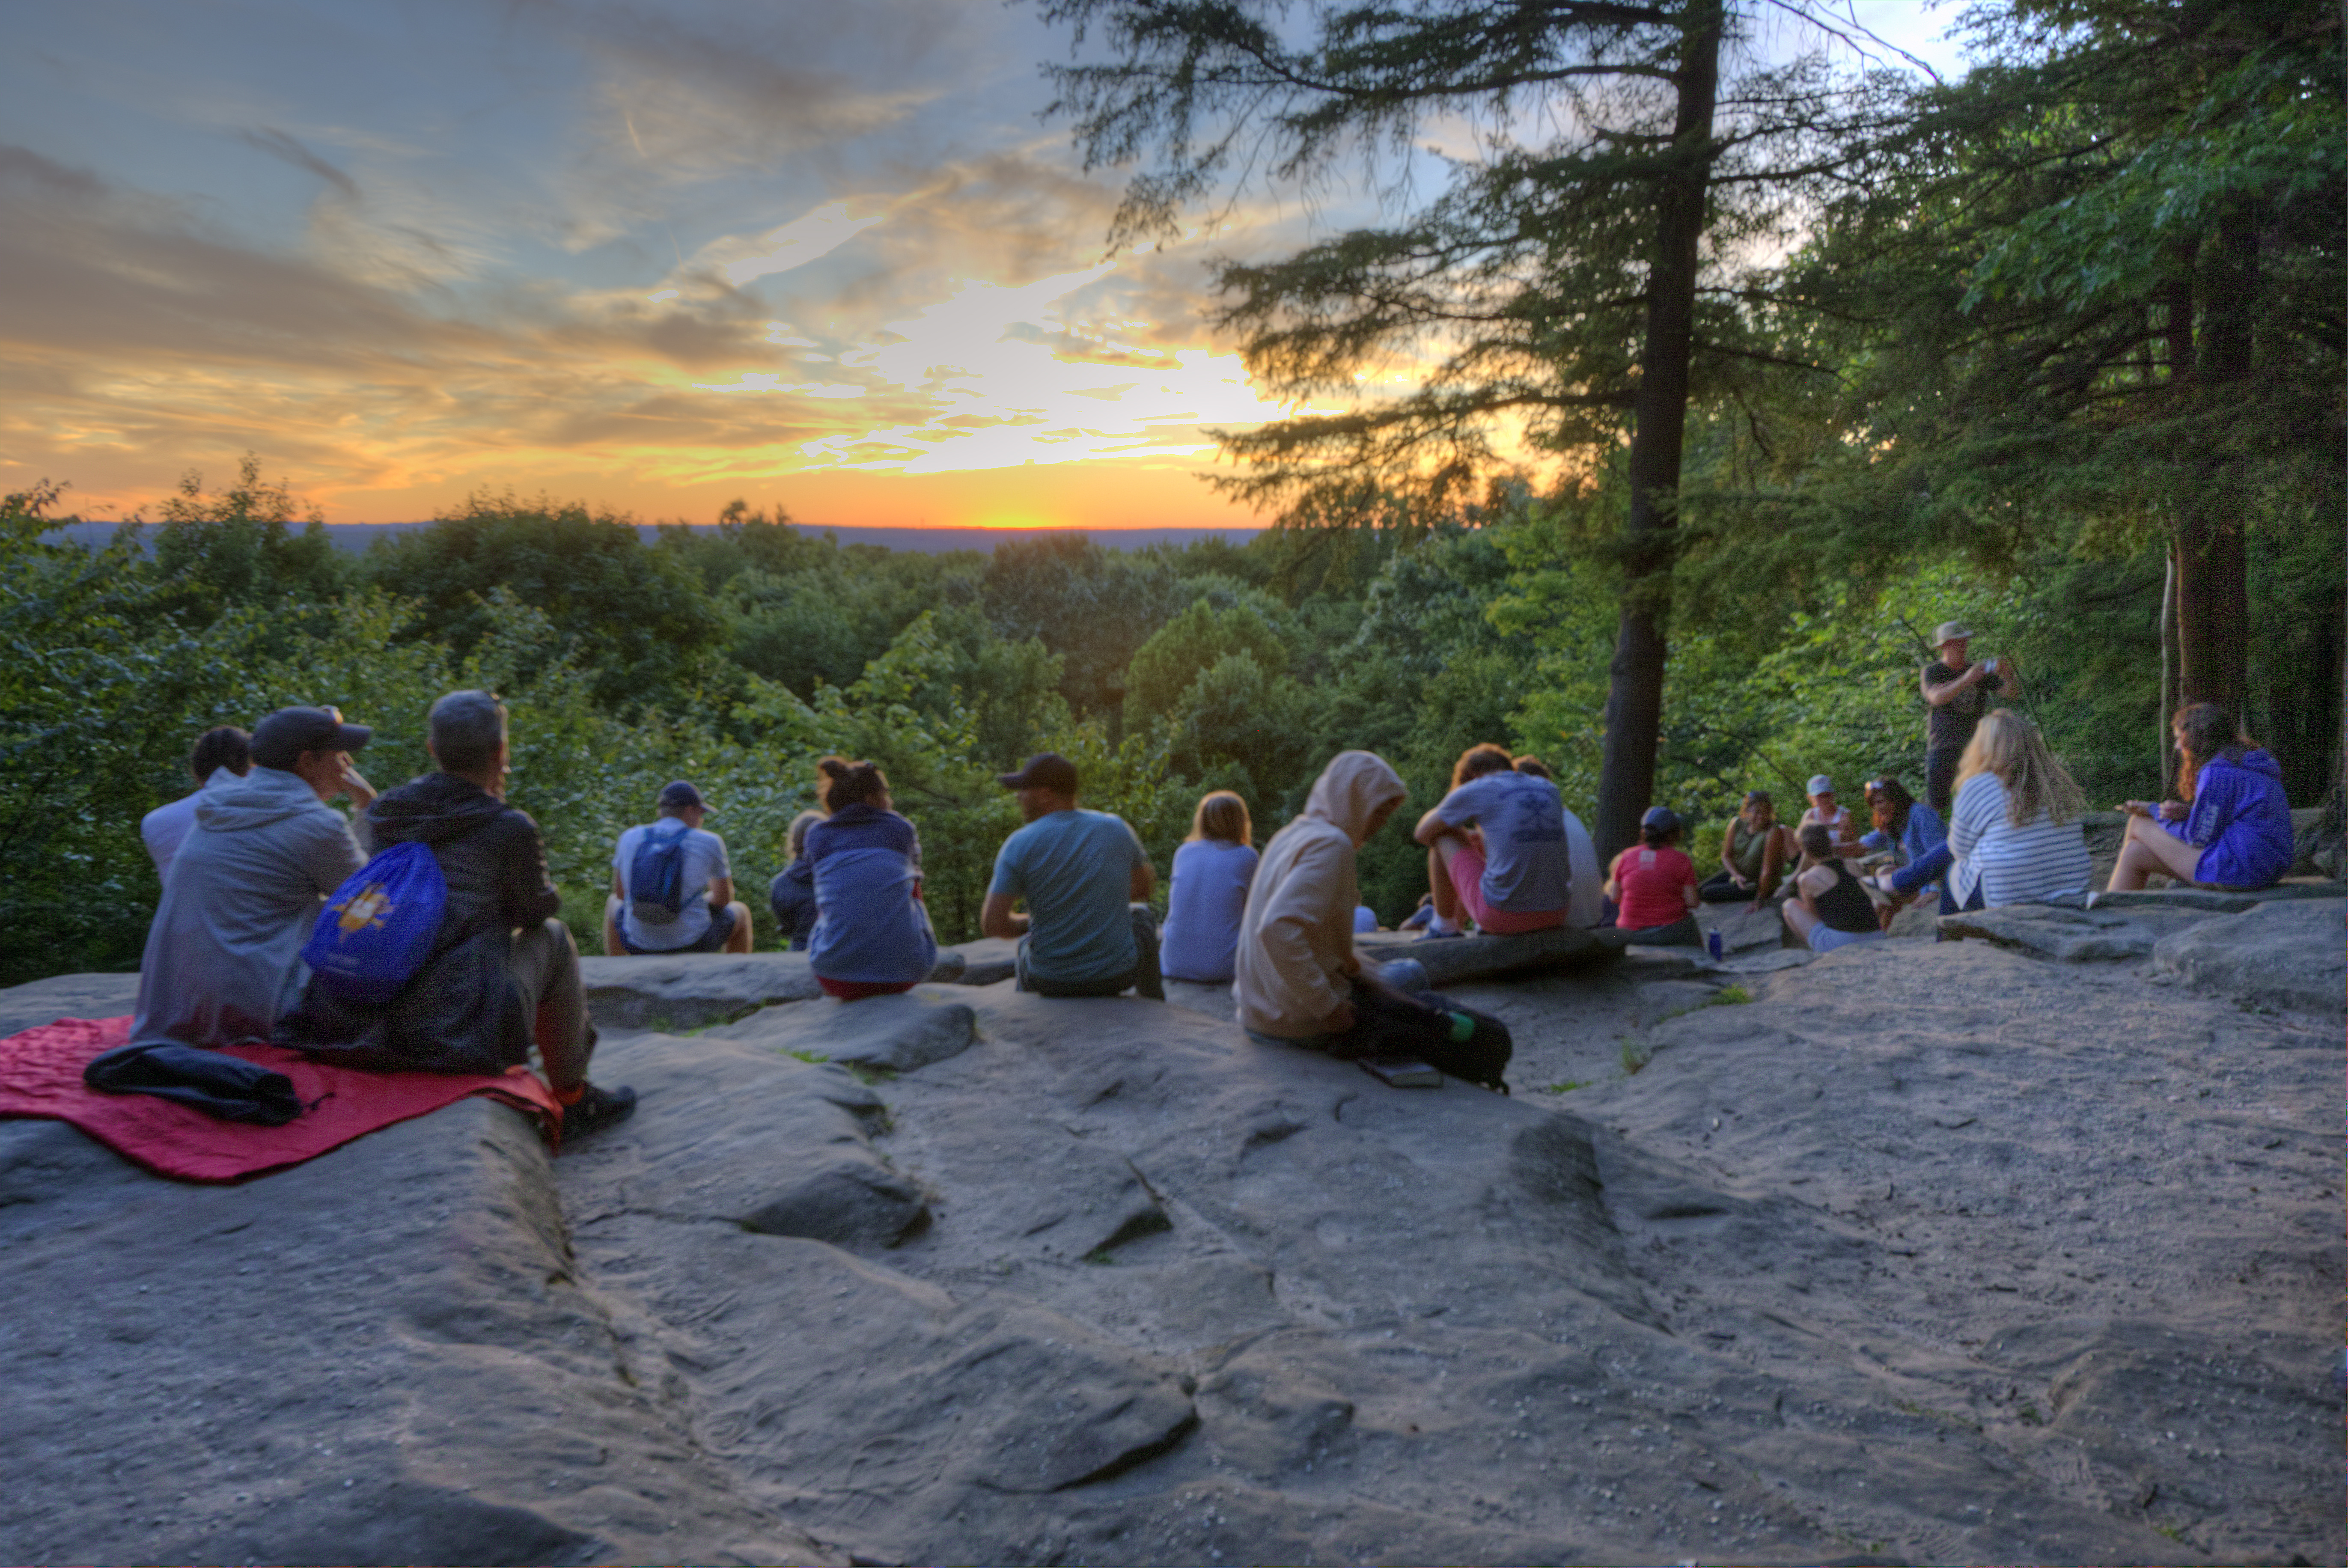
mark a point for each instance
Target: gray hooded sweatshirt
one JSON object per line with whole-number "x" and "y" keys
{"x": 225, "y": 956}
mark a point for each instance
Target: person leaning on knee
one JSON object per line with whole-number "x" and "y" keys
{"x": 505, "y": 972}
{"x": 1496, "y": 848}
{"x": 1830, "y": 908}
{"x": 872, "y": 935}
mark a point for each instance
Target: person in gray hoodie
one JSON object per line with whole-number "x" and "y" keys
{"x": 223, "y": 959}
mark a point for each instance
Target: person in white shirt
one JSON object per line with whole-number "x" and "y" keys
{"x": 220, "y": 756}
{"x": 708, "y": 917}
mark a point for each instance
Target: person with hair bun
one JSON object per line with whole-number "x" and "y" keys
{"x": 872, "y": 935}
{"x": 221, "y": 756}
{"x": 2232, "y": 828}
{"x": 1212, "y": 871}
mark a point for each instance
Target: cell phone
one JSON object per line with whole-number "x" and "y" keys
{"x": 1401, "y": 1072}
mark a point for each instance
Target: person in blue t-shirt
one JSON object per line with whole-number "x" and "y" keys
{"x": 1212, "y": 871}
{"x": 872, "y": 935}
{"x": 1087, "y": 931}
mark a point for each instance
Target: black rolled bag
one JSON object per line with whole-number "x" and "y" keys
{"x": 213, "y": 1082}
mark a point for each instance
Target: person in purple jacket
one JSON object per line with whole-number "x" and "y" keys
{"x": 872, "y": 935}
{"x": 2233, "y": 828}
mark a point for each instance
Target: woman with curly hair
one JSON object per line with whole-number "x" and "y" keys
{"x": 2231, "y": 830}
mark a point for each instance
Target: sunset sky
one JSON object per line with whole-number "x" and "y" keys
{"x": 653, "y": 257}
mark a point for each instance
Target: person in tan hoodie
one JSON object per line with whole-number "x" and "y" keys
{"x": 1297, "y": 980}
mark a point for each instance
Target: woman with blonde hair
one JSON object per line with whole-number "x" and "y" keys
{"x": 1212, "y": 872}
{"x": 2015, "y": 828}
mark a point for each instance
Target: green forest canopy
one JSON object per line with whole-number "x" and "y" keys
{"x": 736, "y": 656}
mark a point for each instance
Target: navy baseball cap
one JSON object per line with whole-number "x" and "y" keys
{"x": 279, "y": 740}
{"x": 1662, "y": 818}
{"x": 680, "y": 795}
{"x": 1045, "y": 771}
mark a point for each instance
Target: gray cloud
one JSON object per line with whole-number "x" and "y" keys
{"x": 277, "y": 144}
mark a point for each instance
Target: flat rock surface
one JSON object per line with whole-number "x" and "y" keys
{"x": 988, "y": 960}
{"x": 2072, "y": 936}
{"x": 2291, "y": 955}
{"x": 691, "y": 990}
{"x": 1923, "y": 1253}
{"x": 900, "y": 1033}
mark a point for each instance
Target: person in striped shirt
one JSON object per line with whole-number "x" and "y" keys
{"x": 2015, "y": 829}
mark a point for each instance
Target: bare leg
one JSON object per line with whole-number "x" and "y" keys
{"x": 1438, "y": 878}
{"x": 738, "y": 939}
{"x": 1799, "y": 920}
{"x": 612, "y": 927}
{"x": 2151, "y": 850}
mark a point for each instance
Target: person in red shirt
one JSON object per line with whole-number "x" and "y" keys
{"x": 1653, "y": 884}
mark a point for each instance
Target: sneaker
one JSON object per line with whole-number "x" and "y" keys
{"x": 597, "y": 1109}
{"x": 1431, "y": 935}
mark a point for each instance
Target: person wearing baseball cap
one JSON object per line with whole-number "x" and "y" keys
{"x": 1954, "y": 701}
{"x": 223, "y": 957}
{"x": 1824, "y": 814}
{"x": 1653, "y": 884}
{"x": 1088, "y": 930}
{"x": 672, "y": 887}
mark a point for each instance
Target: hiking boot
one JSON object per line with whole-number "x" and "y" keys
{"x": 597, "y": 1109}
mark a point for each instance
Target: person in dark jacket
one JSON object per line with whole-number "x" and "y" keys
{"x": 791, "y": 895}
{"x": 2233, "y": 829}
{"x": 504, "y": 971}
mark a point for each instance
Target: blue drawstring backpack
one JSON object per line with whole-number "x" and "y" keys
{"x": 379, "y": 928}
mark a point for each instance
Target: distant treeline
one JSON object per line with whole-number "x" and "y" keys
{"x": 736, "y": 656}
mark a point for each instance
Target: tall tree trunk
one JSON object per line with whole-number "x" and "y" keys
{"x": 1635, "y": 696}
{"x": 2213, "y": 602}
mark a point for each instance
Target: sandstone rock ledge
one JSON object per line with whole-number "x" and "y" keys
{"x": 1930, "y": 1252}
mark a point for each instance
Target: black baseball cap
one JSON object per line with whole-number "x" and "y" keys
{"x": 1045, "y": 771}
{"x": 680, "y": 795}
{"x": 279, "y": 740}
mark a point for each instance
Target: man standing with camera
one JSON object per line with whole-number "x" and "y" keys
{"x": 1955, "y": 699}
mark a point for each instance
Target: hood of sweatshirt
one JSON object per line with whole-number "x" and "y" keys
{"x": 264, "y": 796}
{"x": 1351, "y": 789}
{"x": 2255, "y": 760}
{"x": 431, "y": 809}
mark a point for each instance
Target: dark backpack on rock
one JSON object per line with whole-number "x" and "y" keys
{"x": 1457, "y": 1041}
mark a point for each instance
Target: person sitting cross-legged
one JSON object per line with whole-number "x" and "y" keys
{"x": 872, "y": 935}
{"x": 1753, "y": 855}
{"x": 1298, "y": 981}
{"x": 1653, "y": 884}
{"x": 1914, "y": 836}
{"x": 223, "y": 959}
{"x": 503, "y": 972}
{"x": 1831, "y": 907}
{"x": 1088, "y": 930}
{"x": 688, "y": 864}
{"x": 1496, "y": 848}
{"x": 2233, "y": 829}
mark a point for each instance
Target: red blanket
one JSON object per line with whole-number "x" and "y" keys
{"x": 40, "y": 1075}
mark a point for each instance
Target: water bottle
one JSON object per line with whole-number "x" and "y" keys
{"x": 1712, "y": 944}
